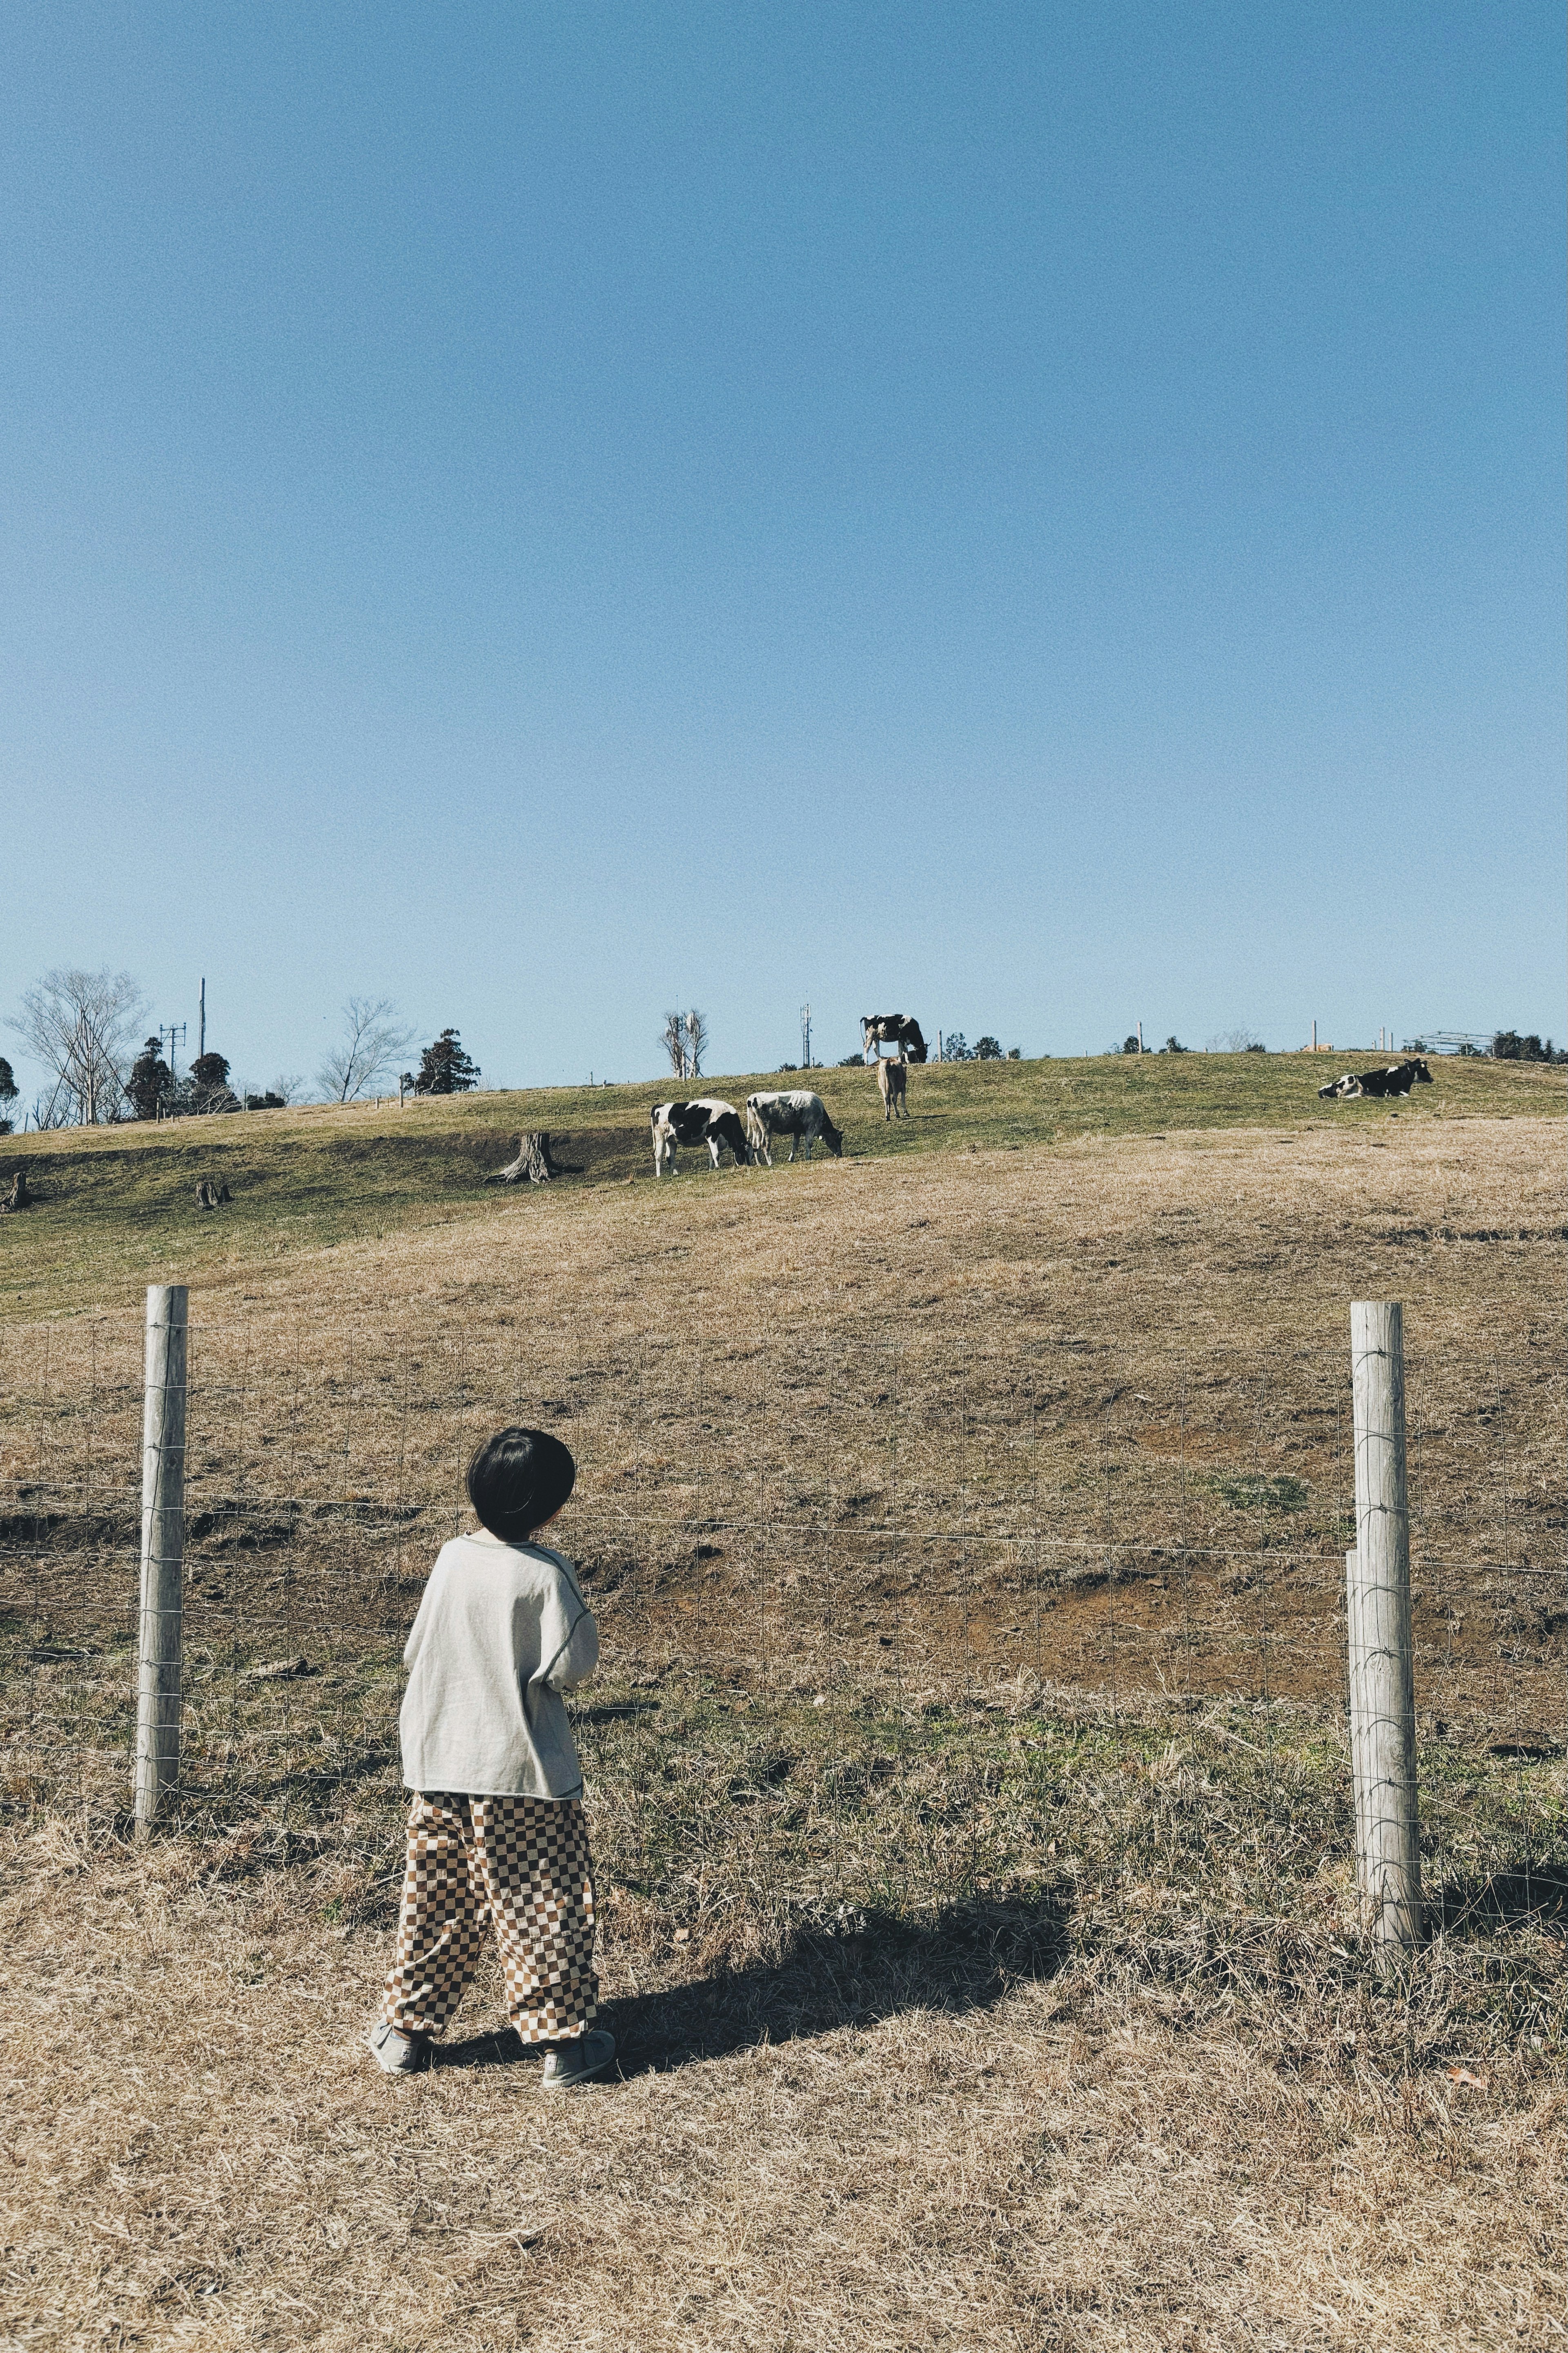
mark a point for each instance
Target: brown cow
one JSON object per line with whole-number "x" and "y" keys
{"x": 892, "y": 1085}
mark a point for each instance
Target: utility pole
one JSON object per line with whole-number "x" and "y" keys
{"x": 202, "y": 1022}
{"x": 1139, "y": 1037}
{"x": 174, "y": 1032}
{"x": 805, "y": 1036}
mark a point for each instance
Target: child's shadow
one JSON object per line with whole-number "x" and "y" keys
{"x": 965, "y": 1959}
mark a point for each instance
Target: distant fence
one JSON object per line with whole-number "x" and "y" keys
{"x": 877, "y": 1518}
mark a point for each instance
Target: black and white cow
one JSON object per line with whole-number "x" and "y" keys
{"x": 797, "y": 1114}
{"x": 1398, "y": 1079}
{"x": 900, "y": 1029}
{"x": 704, "y": 1121}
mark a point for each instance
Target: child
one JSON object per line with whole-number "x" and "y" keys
{"x": 496, "y": 1832}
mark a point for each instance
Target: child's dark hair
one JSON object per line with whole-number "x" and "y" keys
{"x": 517, "y": 1480}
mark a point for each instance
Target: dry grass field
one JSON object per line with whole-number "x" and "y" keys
{"x": 968, "y": 1765}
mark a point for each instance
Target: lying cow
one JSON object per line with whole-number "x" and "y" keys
{"x": 705, "y": 1120}
{"x": 899, "y": 1030}
{"x": 892, "y": 1085}
{"x": 1396, "y": 1079}
{"x": 797, "y": 1114}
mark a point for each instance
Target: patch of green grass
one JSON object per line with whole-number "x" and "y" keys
{"x": 1246, "y": 1494}
{"x": 1208, "y": 1854}
{"x": 117, "y": 1206}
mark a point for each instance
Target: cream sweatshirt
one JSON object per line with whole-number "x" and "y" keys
{"x": 502, "y": 1632}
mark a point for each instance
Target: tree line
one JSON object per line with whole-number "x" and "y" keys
{"x": 81, "y": 1028}
{"x": 954, "y": 1047}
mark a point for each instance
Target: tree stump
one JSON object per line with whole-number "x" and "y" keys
{"x": 534, "y": 1161}
{"x": 212, "y": 1193}
{"x": 18, "y": 1197}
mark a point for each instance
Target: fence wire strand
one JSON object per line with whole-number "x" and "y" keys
{"x": 773, "y": 1533}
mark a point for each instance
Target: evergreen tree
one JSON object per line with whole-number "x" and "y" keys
{"x": 1507, "y": 1046}
{"x": 445, "y": 1068}
{"x": 209, "y": 1084}
{"x": 151, "y": 1085}
{"x": 7, "y": 1092}
{"x": 988, "y": 1050}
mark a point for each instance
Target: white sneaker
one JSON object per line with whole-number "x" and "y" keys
{"x": 396, "y": 2054}
{"x": 578, "y": 2062}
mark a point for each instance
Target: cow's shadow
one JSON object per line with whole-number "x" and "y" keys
{"x": 965, "y": 1959}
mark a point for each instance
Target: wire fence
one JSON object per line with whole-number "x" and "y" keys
{"x": 847, "y": 1540}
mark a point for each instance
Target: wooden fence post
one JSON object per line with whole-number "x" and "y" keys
{"x": 1355, "y": 1646}
{"x": 162, "y": 1550}
{"x": 1377, "y": 1620}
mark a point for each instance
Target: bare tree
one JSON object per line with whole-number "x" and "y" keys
{"x": 1232, "y": 1042}
{"x": 82, "y": 1026}
{"x": 367, "y": 1049}
{"x": 673, "y": 1040}
{"x": 284, "y": 1088}
{"x": 685, "y": 1039}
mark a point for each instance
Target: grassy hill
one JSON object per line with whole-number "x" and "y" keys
{"x": 117, "y": 1206}
{"x": 1006, "y": 1878}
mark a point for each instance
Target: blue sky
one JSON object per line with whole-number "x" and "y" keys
{"x": 1040, "y": 517}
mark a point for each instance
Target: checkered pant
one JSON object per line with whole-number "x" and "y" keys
{"x": 522, "y": 1863}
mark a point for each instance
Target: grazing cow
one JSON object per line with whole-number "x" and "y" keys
{"x": 1398, "y": 1079}
{"x": 705, "y": 1120}
{"x": 899, "y": 1030}
{"x": 892, "y": 1085}
{"x": 799, "y": 1114}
